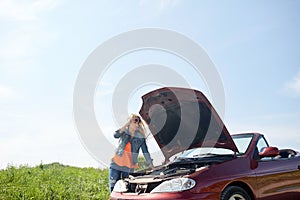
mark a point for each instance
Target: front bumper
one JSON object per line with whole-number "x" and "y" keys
{"x": 163, "y": 196}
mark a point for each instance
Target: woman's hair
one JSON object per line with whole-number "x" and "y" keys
{"x": 140, "y": 123}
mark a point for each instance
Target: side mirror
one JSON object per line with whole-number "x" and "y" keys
{"x": 269, "y": 152}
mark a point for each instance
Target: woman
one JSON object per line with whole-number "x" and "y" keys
{"x": 131, "y": 140}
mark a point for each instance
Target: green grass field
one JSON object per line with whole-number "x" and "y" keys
{"x": 53, "y": 181}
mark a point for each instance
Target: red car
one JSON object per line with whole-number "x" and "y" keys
{"x": 207, "y": 162}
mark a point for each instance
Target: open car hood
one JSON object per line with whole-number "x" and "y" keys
{"x": 181, "y": 119}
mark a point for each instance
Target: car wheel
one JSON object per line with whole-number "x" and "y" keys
{"x": 234, "y": 193}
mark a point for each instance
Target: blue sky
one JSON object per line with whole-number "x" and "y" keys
{"x": 43, "y": 44}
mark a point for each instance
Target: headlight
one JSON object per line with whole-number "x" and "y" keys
{"x": 175, "y": 185}
{"x": 121, "y": 186}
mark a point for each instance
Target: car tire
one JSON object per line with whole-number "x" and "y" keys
{"x": 234, "y": 193}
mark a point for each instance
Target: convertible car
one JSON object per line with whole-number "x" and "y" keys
{"x": 202, "y": 160}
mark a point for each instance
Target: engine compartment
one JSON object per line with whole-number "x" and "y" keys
{"x": 145, "y": 181}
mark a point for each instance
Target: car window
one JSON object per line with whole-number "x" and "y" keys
{"x": 261, "y": 144}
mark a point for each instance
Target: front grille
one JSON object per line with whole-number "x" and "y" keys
{"x": 142, "y": 187}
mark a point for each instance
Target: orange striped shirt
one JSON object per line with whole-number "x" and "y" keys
{"x": 126, "y": 158}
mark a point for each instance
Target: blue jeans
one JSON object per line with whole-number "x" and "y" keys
{"x": 116, "y": 173}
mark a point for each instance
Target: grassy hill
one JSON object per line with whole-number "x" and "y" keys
{"x": 53, "y": 181}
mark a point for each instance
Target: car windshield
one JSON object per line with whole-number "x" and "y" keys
{"x": 242, "y": 142}
{"x": 204, "y": 152}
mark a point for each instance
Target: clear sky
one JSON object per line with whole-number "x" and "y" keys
{"x": 44, "y": 43}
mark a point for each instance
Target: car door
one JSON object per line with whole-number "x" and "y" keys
{"x": 277, "y": 178}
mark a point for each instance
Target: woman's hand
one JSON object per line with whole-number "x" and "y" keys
{"x": 151, "y": 165}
